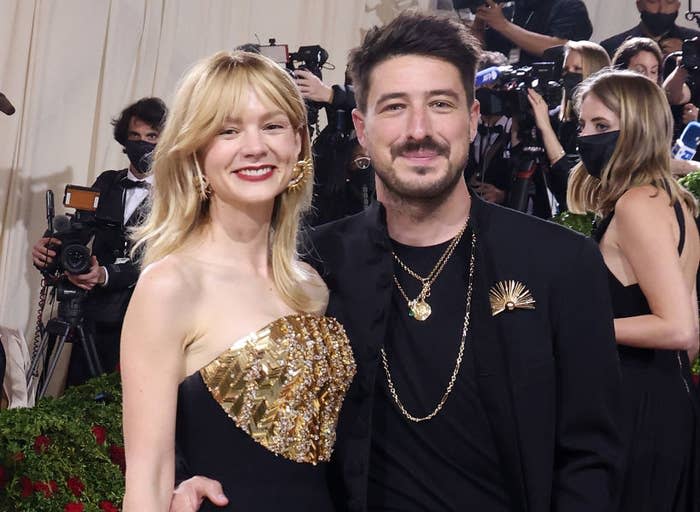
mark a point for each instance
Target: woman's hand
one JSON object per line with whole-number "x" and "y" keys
{"x": 540, "y": 109}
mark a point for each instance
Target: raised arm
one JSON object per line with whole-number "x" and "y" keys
{"x": 152, "y": 365}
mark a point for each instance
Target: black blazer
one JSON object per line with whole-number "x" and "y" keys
{"x": 108, "y": 303}
{"x": 548, "y": 378}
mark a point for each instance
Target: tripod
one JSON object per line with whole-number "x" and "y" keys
{"x": 67, "y": 327}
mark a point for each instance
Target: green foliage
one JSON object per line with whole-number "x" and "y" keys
{"x": 692, "y": 183}
{"x": 64, "y": 454}
{"x": 581, "y": 223}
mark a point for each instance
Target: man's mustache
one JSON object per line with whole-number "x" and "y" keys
{"x": 427, "y": 144}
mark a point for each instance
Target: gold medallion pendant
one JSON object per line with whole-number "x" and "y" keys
{"x": 419, "y": 309}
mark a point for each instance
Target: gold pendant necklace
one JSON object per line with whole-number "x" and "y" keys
{"x": 419, "y": 308}
{"x": 458, "y": 362}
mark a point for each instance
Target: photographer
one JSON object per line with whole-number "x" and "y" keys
{"x": 534, "y": 26}
{"x": 658, "y": 22}
{"x": 488, "y": 170}
{"x": 583, "y": 58}
{"x": 122, "y": 205}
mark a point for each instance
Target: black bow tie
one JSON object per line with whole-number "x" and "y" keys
{"x": 487, "y": 130}
{"x": 127, "y": 184}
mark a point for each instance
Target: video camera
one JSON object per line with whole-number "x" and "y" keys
{"x": 473, "y": 5}
{"x": 309, "y": 58}
{"x": 74, "y": 231}
{"x": 502, "y": 90}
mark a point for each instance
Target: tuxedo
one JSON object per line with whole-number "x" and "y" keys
{"x": 548, "y": 378}
{"x": 105, "y": 306}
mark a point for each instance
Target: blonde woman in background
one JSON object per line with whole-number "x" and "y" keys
{"x": 582, "y": 59}
{"x": 225, "y": 348}
{"x": 649, "y": 241}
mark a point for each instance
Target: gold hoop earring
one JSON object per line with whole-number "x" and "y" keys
{"x": 302, "y": 172}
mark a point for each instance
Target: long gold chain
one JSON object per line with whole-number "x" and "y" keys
{"x": 460, "y": 354}
{"x": 419, "y": 308}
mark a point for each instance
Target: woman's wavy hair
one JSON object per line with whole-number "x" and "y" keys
{"x": 642, "y": 154}
{"x": 206, "y": 96}
{"x": 593, "y": 59}
{"x": 633, "y": 46}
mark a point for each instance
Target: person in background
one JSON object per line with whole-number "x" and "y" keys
{"x": 657, "y": 22}
{"x": 535, "y": 26}
{"x": 651, "y": 247}
{"x": 123, "y": 204}
{"x": 582, "y": 59}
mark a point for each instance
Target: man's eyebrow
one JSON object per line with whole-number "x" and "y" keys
{"x": 402, "y": 95}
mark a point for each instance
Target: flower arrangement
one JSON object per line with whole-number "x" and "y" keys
{"x": 65, "y": 454}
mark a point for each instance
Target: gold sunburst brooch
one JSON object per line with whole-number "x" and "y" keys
{"x": 509, "y": 295}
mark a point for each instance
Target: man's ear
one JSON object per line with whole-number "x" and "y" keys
{"x": 358, "y": 119}
{"x": 474, "y": 113}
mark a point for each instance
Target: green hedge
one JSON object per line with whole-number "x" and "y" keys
{"x": 65, "y": 454}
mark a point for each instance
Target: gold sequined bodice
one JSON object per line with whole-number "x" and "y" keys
{"x": 285, "y": 383}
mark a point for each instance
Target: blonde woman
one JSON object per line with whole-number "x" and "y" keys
{"x": 225, "y": 347}
{"x": 582, "y": 59}
{"x": 650, "y": 245}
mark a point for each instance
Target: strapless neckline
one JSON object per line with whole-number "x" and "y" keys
{"x": 284, "y": 384}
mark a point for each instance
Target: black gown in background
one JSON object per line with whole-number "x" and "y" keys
{"x": 261, "y": 417}
{"x": 658, "y": 417}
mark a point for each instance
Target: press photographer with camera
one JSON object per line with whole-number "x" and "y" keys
{"x": 582, "y": 59}
{"x": 111, "y": 275}
{"x": 524, "y": 29}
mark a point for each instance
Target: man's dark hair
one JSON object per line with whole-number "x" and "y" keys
{"x": 415, "y": 33}
{"x": 151, "y": 111}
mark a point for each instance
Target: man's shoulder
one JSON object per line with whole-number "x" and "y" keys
{"x": 685, "y": 32}
{"x": 107, "y": 178}
{"x": 613, "y": 42}
{"x": 515, "y": 231}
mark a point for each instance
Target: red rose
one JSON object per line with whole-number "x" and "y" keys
{"x": 18, "y": 457}
{"x": 41, "y": 443}
{"x": 45, "y": 487}
{"x": 74, "y": 507}
{"x": 100, "y": 433}
{"x": 27, "y": 487}
{"x": 117, "y": 456}
{"x": 108, "y": 506}
{"x": 696, "y": 379}
{"x": 76, "y": 486}
{"x": 53, "y": 486}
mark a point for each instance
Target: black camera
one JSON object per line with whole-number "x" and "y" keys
{"x": 503, "y": 90}
{"x": 74, "y": 231}
{"x": 309, "y": 58}
{"x": 691, "y": 54}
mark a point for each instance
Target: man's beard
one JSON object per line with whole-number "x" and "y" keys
{"x": 424, "y": 193}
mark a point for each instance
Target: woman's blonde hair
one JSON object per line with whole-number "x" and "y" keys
{"x": 206, "y": 96}
{"x": 593, "y": 59}
{"x": 642, "y": 154}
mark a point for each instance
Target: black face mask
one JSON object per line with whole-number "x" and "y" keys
{"x": 490, "y": 101}
{"x": 140, "y": 154}
{"x": 571, "y": 81}
{"x": 596, "y": 151}
{"x": 658, "y": 23}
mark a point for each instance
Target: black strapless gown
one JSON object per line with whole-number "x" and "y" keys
{"x": 658, "y": 416}
{"x": 261, "y": 417}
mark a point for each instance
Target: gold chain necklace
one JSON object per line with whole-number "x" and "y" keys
{"x": 460, "y": 354}
{"x": 419, "y": 308}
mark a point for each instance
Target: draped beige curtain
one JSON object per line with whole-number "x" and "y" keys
{"x": 69, "y": 66}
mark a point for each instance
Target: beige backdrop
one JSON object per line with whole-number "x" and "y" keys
{"x": 69, "y": 66}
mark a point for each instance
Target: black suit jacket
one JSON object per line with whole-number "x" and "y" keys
{"x": 548, "y": 378}
{"x": 108, "y": 303}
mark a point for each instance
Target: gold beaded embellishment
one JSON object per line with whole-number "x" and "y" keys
{"x": 284, "y": 385}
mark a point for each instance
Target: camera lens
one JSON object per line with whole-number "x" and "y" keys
{"x": 75, "y": 259}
